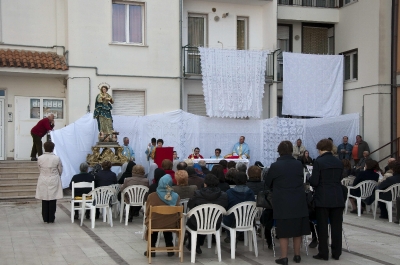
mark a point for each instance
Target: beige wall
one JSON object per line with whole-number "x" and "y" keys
{"x": 308, "y": 14}
{"x": 27, "y": 86}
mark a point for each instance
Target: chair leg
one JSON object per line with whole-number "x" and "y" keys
{"x": 193, "y": 247}
{"x": 144, "y": 226}
{"x": 246, "y": 238}
{"x": 262, "y": 235}
{"x": 110, "y": 218}
{"x": 209, "y": 241}
{"x": 389, "y": 210}
{"x": 345, "y": 240}
{"x": 158, "y": 239}
{"x": 218, "y": 244}
{"x": 375, "y": 206}
{"x": 72, "y": 212}
{"x": 127, "y": 207}
{"x": 255, "y": 241}
{"x": 250, "y": 237}
{"x": 174, "y": 239}
{"x": 104, "y": 211}
{"x": 121, "y": 209}
{"x": 92, "y": 215}
{"x": 359, "y": 206}
{"x": 82, "y": 213}
{"x": 273, "y": 241}
{"x": 347, "y": 204}
{"x": 233, "y": 242}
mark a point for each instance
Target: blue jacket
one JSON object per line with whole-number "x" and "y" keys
{"x": 238, "y": 194}
{"x": 348, "y": 147}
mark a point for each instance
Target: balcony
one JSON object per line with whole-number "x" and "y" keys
{"x": 310, "y": 3}
{"x": 192, "y": 64}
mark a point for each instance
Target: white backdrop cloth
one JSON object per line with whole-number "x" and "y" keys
{"x": 185, "y": 131}
{"x": 312, "y": 85}
{"x": 233, "y": 82}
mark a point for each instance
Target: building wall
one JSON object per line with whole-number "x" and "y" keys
{"x": 28, "y": 86}
{"x": 308, "y": 14}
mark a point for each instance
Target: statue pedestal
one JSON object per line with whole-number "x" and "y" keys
{"x": 98, "y": 156}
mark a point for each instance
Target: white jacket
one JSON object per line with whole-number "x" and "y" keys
{"x": 49, "y": 182}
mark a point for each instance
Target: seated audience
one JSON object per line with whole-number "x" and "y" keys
{"x": 218, "y": 171}
{"x": 167, "y": 164}
{"x": 230, "y": 176}
{"x": 305, "y": 159}
{"x": 346, "y": 168}
{"x": 241, "y": 167}
{"x": 231, "y": 164}
{"x": 105, "y": 177}
{"x": 193, "y": 179}
{"x": 389, "y": 171}
{"x": 136, "y": 179}
{"x": 83, "y": 176}
{"x": 182, "y": 188}
{"x": 204, "y": 168}
{"x": 209, "y": 194}
{"x": 199, "y": 171}
{"x": 189, "y": 162}
{"x": 360, "y": 166}
{"x": 123, "y": 169}
{"x": 389, "y": 160}
{"x": 162, "y": 197}
{"x": 240, "y": 193}
{"x": 368, "y": 174}
{"x": 254, "y": 182}
{"x": 224, "y": 165}
{"x": 181, "y": 166}
{"x": 158, "y": 174}
{"x": 127, "y": 173}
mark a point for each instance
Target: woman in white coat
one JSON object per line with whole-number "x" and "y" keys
{"x": 49, "y": 183}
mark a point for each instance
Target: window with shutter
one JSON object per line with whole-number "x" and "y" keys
{"x": 128, "y": 103}
{"x": 196, "y": 105}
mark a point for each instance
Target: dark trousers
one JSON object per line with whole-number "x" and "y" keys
{"x": 49, "y": 211}
{"x": 334, "y": 216}
{"x": 398, "y": 208}
{"x": 37, "y": 146}
{"x": 167, "y": 238}
{"x": 267, "y": 221}
{"x": 384, "y": 212}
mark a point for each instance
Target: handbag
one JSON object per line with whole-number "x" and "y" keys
{"x": 264, "y": 199}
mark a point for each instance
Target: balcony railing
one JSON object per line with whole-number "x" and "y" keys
{"x": 192, "y": 63}
{"x": 311, "y": 3}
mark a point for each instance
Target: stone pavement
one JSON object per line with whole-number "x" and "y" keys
{"x": 25, "y": 239}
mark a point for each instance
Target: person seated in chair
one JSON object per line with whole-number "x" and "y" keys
{"x": 240, "y": 193}
{"x": 209, "y": 194}
{"x": 83, "y": 176}
{"x": 255, "y": 183}
{"x": 182, "y": 188}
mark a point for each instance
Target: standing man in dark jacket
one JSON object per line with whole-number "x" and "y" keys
{"x": 37, "y": 132}
{"x": 83, "y": 176}
{"x": 329, "y": 200}
{"x": 209, "y": 194}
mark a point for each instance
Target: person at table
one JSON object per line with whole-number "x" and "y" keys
{"x": 38, "y": 131}
{"x": 196, "y": 154}
{"x": 241, "y": 149}
{"x": 128, "y": 151}
{"x": 298, "y": 149}
{"x": 216, "y": 156}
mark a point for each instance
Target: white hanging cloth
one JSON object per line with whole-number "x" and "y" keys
{"x": 233, "y": 82}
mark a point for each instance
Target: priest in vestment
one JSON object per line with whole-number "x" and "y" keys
{"x": 196, "y": 154}
{"x": 241, "y": 149}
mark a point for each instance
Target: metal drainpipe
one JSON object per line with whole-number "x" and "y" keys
{"x": 90, "y": 90}
{"x": 393, "y": 117}
{"x": 180, "y": 54}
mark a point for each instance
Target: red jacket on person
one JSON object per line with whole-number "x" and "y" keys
{"x": 42, "y": 127}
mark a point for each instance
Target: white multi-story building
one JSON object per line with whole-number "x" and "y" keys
{"x": 54, "y": 53}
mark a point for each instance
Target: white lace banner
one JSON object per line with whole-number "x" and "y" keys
{"x": 233, "y": 82}
{"x": 312, "y": 85}
{"x": 185, "y": 131}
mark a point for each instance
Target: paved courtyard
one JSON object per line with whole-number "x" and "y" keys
{"x": 25, "y": 239}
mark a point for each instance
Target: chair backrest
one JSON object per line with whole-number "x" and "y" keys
{"x": 166, "y": 210}
{"x": 395, "y": 189}
{"x": 102, "y": 196}
{"x": 184, "y": 203}
{"x": 135, "y": 194}
{"x": 346, "y": 182}
{"x": 366, "y": 187}
{"x": 207, "y": 216}
{"x": 81, "y": 185}
{"x": 244, "y": 213}
{"x": 116, "y": 188}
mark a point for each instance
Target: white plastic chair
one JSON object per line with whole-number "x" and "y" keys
{"x": 135, "y": 195}
{"x": 346, "y": 181}
{"x": 78, "y": 199}
{"x": 366, "y": 189}
{"x": 395, "y": 190}
{"x": 115, "y": 205}
{"x": 101, "y": 198}
{"x": 206, "y": 216}
{"x": 260, "y": 210}
{"x": 245, "y": 213}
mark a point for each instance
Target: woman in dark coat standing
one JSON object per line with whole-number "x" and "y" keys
{"x": 328, "y": 199}
{"x": 285, "y": 179}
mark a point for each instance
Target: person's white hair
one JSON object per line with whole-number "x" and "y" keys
{"x": 189, "y": 162}
{"x": 202, "y": 163}
{"x": 241, "y": 167}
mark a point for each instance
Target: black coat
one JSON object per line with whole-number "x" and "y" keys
{"x": 325, "y": 178}
{"x": 368, "y": 174}
{"x": 387, "y": 196}
{"x": 81, "y": 177}
{"x": 285, "y": 178}
{"x": 105, "y": 178}
{"x": 255, "y": 186}
{"x": 207, "y": 195}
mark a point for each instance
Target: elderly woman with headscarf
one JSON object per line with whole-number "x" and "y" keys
{"x": 163, "y": 196}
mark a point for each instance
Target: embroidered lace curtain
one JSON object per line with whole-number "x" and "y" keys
{"x": 233, "y": 82}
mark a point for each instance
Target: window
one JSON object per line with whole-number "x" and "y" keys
{"x": 128, "y": 102}
{"x": 196, "y": 105}
{"x": 349, "y": 1}
{"x": 242, "y": 31}
{"x": 197, "y": 37}
{"x": 285, "y": 45}
{"x": 279, "y": 113}
{"x": 351, "y": 65}
{"x": 128, "y": 23}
